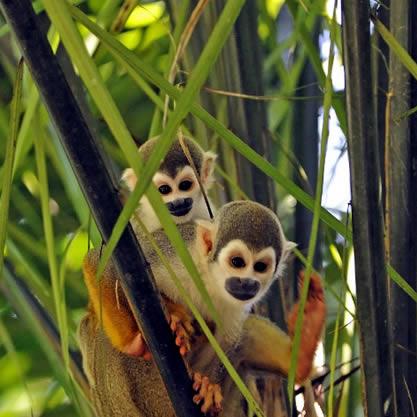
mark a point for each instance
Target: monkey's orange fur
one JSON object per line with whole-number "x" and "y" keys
{"x": 111, "y": 306}
{"x": 109, "y": 303}
{"x": 312, "y": 326}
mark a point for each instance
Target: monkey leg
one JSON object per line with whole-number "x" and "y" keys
{"x": 209, "y": 393}
{"x": 112, "y": 308}
{"x": 266, "y": 346}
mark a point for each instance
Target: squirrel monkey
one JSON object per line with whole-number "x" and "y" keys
{"x": 176, "y": 183}
{"x": 238, "y": 256}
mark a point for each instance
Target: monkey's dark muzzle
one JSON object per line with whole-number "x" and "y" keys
{"x": 180, "y": 207}
{"x": 242, "y": 288}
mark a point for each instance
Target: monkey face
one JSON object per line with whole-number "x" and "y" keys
{"x": 180, "y": 194}
{"x": 176, "y": 182}
{"x": 243, "y": 273}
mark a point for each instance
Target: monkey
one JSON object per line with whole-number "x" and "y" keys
{"x": 274, "y": 352}
{"x": 176, "y": 182}
{"x": 239, "y": 255}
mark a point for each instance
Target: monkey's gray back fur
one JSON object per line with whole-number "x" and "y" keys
{"x": 121, "y": 385}
{"x": 187, "y": 231}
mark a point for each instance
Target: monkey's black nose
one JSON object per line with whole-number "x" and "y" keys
{"x": 242, "y": 288}
{"x": 180, "y": 207}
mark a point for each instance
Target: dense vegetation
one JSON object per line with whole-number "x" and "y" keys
{"x": 271, "y": 101}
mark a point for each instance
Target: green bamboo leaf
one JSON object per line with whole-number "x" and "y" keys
{"x": 32, "y": 277}
{"x": 26, "y": 241}
{"x": 58, "y": 294}
{"x": 180, "y": 22}
{"x": 232, "y": 183}
{"x": 405, "y": 114}
{"x": 24, "y": 140}
{"x": 9, "y": 158}
{"x": 56, "y": 363}
{"x": 316, "y": 212}
{"x": 401, "y": 282}
{"x": 333, "y": 358}
{"x": 314, "y": 55}
{"x": 37, "y": 7}
{"x": 395, "y": 47}
{"x": 59, "y": 160}
{"x": 6, "y": 340}
{"x": 58, "y": 11}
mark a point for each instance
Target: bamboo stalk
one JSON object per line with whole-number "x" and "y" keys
{"x": 413, "y": 203}
{"x": 368, "y": 232}
{"x": 398, "y": 216}
{"x": 102, "y": 197}
{"x": 306, "y": 146}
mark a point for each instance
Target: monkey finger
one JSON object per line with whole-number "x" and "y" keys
{"x": 204, "y": 387}
{"x": 212, "y": 400}
{"x": 197, "y": 380}
{"x": 218, "y": 397}
{"x": 182, "y": 339}
{"x": 184, "y": 350}
{"x": 187, "y": 324}
{"x": 208, "y": 403}
{"x": 174, "y": 321}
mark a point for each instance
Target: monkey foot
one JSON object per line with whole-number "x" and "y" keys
{"x": 209, "y": 393}
{"x": 312, "y": 327}
{"x": 137, "y": 347}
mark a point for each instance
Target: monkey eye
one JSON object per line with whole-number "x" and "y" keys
{"x": 260, "y": 266}
{"x": 185, "y": 185}
{"x": 238, "y": 262}
{"x": 164, "y": 189}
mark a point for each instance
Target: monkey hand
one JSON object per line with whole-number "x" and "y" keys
{"x": 181, "y": 324}
{"x": 312, "y": 326}
{"x": 210, "y": 394}
{"x": 137, "y": 347}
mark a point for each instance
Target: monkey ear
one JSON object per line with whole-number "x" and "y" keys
{"x": 129, "y": 178}
{"x": 288, "y": 247}
{"x": 286, "y": 252}
{"x": 205, "y": 231}
{"x": 207, "y": 168}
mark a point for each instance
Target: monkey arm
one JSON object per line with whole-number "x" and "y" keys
{"x": 111, "y": 307}
{"x": 266, "y": 346}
